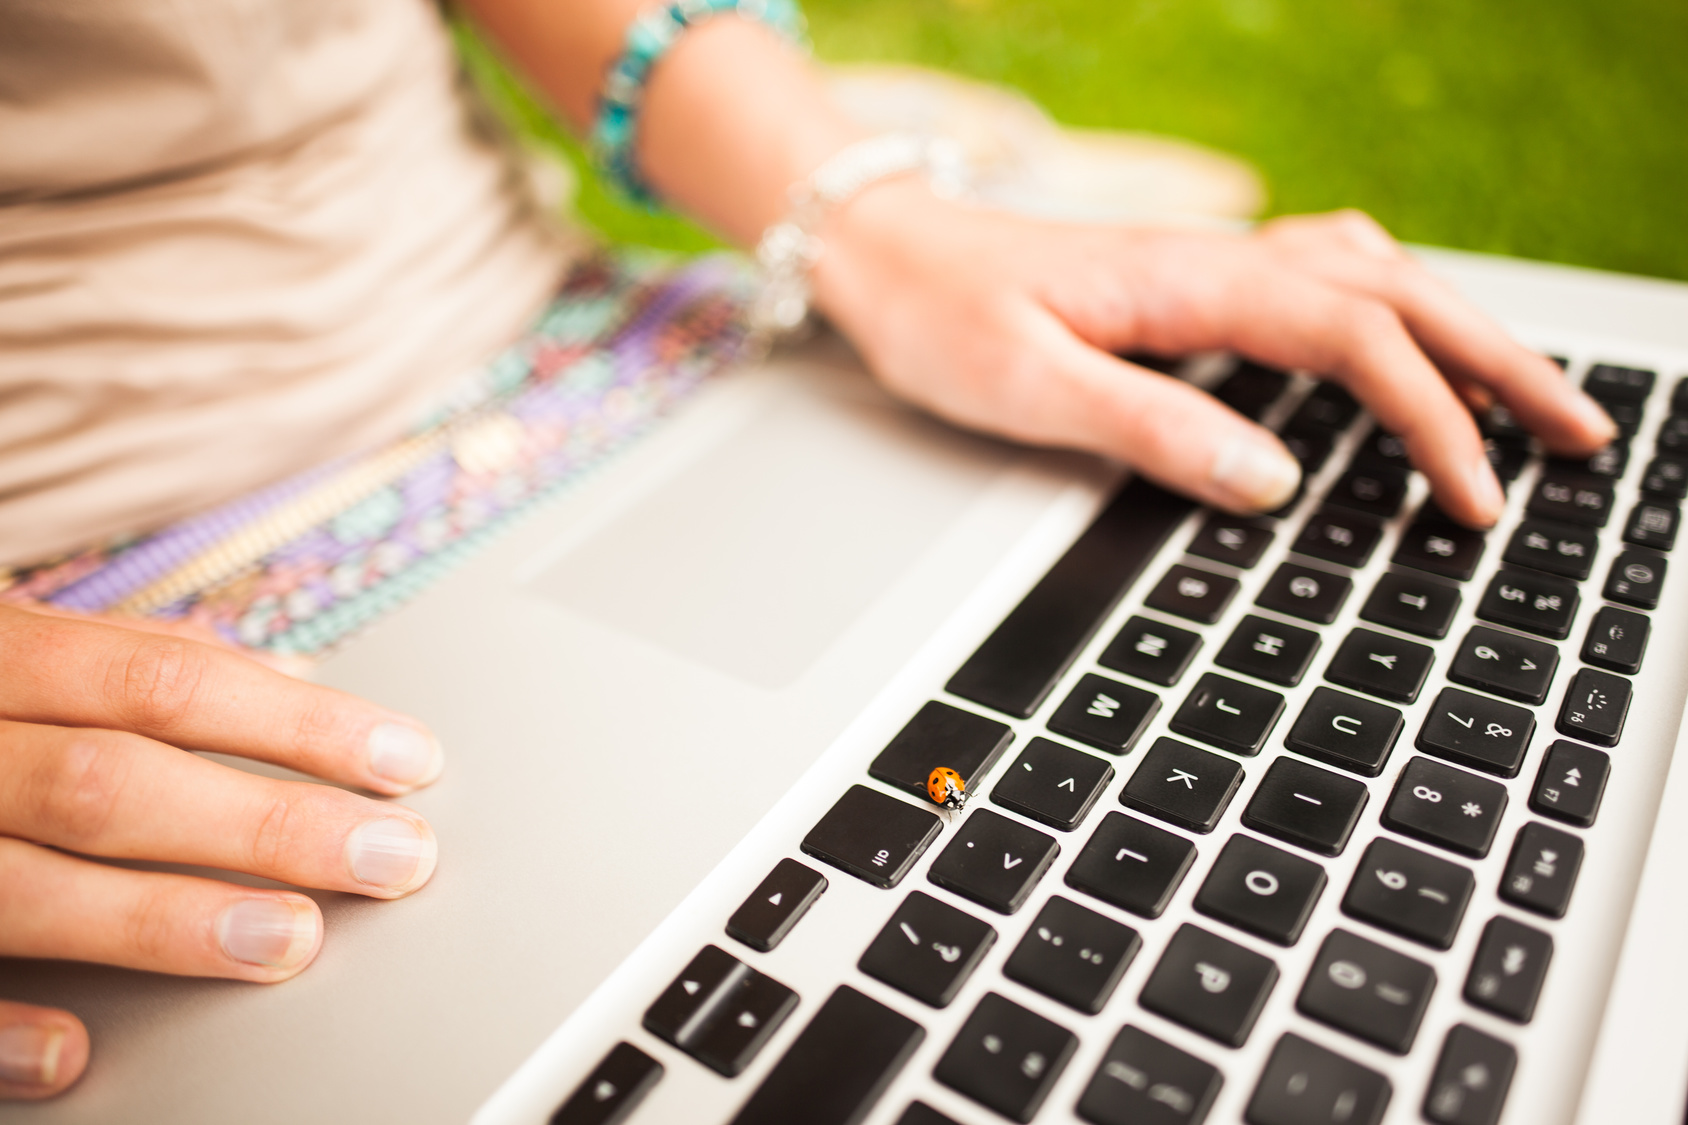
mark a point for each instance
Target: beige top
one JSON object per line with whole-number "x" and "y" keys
{"x": 236, "y": 237}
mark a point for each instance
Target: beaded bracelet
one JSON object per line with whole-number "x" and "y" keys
{"x": 650, "y": 36}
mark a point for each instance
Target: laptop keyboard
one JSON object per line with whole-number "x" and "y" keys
{"x": 1092, "y": 840}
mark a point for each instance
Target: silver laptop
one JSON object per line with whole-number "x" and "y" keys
{"x": 1343, "y": 815}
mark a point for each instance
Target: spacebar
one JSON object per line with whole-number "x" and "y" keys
{"x": 837, "y": 1068}
{"x": 1019, "y": 663}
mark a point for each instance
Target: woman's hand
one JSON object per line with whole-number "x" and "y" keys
{"x": 94, "y": 723}
{"x": 1011, "y": 325}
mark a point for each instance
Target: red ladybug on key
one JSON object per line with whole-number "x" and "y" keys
{"x": 946, "y": 788}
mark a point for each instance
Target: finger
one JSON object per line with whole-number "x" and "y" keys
{"x": 86, "y": 673}
{"x": 59, "y": 906}
{"x": 188, "y": 630}
{"x": 42, "y": 1050}
{"x": 113, "y": 794}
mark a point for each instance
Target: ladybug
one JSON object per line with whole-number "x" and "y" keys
{"x": 946, "y": 788}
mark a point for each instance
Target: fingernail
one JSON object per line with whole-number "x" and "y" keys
{"x": 1485, "y": 490}
{"x": 1593, "y": 416}
{"x": 1257, "y": 475}
{"x": 392, "y": 854}
{"x": 403, "y": 754}
{"x": 29, "y": 1054}
{"x": 275, "y": 933}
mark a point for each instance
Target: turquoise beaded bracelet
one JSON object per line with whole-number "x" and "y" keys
{"x": 650, "y": 36}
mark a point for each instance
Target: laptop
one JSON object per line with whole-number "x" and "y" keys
{"x": 1340, "y": 815}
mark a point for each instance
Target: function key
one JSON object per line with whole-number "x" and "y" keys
{"x": 1612, "y": 383}
{"x": 1408, "y": 892}
{"x": 1143, "y": 1081}
{"x": 1073, "y": 955}
{"x": 1304, "y": 1084}
{"x": 1535, "y": 603}
{"x": 1005, "y": 1058}
{"x": 1261, "y": 890}
{"x": 1195, "y": 594}
{"x": 1299, "y": 591}
{"x": 873, "y": 836}
{"x": 1673, "y": 435}
{"x": 1441, "y": 805}
{"x": 1473, "y": 1074}
{"x": 928, "y": 949}
{"x": 1636, "y": 579}
{"x": 775, "y": 906}
{"x": 1652, "y": 524}
{"x": 1542, "y": 870}
{"x": 1440, "y": 546}
{"x": 1508, "y": 971}
{"x": 1377, "y": 491}
{"x": 940, "y": 735}
{"x": 1381, "y": 665}
{"x": 1251, "y": 389}
{"x": 1052, "y": 784}
{"x": 1412, "y": 604}
{"x": 1269, "y": 651}
{"x": 1151, "y": 651}
{"x": 720, "y": 1011}
{"x": 1338, "y": 536}
{"x": 1595, "y": 706}
{"x": 1306, "y": 806}
{"x": 1476, "y": 731}
{"x": 1367, "y": 990}
{"x": 1571, "y": 782}
{"x": 1132, "y": 865}
{"x": 1327, "y": 409}
{"x": 1182, "y": 785}
{"x": 994, "y": 861}
{"x": 1666, "y": 477}
{"x": 614, "y": 1088}
{"x": 1554, "y": 548}
{"x": 1211, "y": 986}
{"x": 1228, "y": 539}
{"x": 1617, "y": 640}
{"x": 1105, "y": 714}
{"x": 1572, "y": 498}
{"x": 1228, "y": 714}
{"x": 1505, "y": 664}
{"x": 1346, "y": 731}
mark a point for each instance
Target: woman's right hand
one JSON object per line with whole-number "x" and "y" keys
{"x": 95, "y": 722}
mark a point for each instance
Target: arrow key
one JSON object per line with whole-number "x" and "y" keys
{"x": 1505, "y": 664}
{"x": 775, "y": 906}
{"x": 994, "y": 861}
{"x": 1053, "y": 784}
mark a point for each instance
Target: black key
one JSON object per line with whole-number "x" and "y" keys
{"x": 1251, "y": 389}
{"x": 1636, "y": 579}
{"x": 1653, "y": 524}
{"x": 1679, "y": 397}
{"x": 1382, "y": 665}
{"x": 1473, "y": 1074}
{"x": 1534, "y": 603}
{"x": 1073, "y": 955}
{"x": 928, "y": 949}
{"x": 1311, "y": 448}
{"x": 1020, "y": 662}
{"x": 919, "y": 1113}
{"x": 1199, "y": 595}
{"x": 1182, "y": 785}
{"x": 1595, "y": 706}
{"x": 1409, "y": 892}
{"x": 1210, "y": 985}
{"x": 1627, "y": 415}
{"x": 1132, "y": 865}
{"x": 941, "y": 735}
{"x": 1383, "y": 449}
{"x": 1571, "y": 782}
{"x": 1328, "y": 408}
{"x": 1261, "y": 890}
{"x": 1507, "y": 457}
{"x": 720, "y": 1011}
{"x": 1367, "y": 990}
{"x": 1572, "y": 498}
{"x": 1306, "y": 806}
{"x": 613, "y": 1090}
{"x": 872, "y": 836}
{"x": 1436, "y": 544}
{"x": 775, "y": 906}
{"x": 1475, "y": 731}
{"x": 1143, "y": 1081}
{"x": 1375, "y": 491}
{"x": 1666, "y": 477}
{"x": 1412, "y": 605}
{"x": 1555, "y": 548}
{"x": 1346, "y": 731}
{"x": 1608, "y": 463}
{"x": 1151, "y": 651}
{"x": 1499, "y": 422}
{"x": 837, "y": 1067}
{"x": 1304, "y": 1084}
{"x": 690, "y": 993}
{"x": 1445, "y": 806}
{"x": 1617, "y": 640}
{"x": 1542, "y": 870}
{"x": 1339, "y": 536}
{"x": 1053, "y": 784}
{"x": 1673, "y": 435}
{"x": 1229, "y": 714}
{"x": 1105, "y": 714}
{"x": 1005, "y": 1058}
{"x": 1504, "y": 664}
{"x": 994, "y": 861}
{"x": 1228, "y": 539}
{"x": 1269, "y": 651}
{"x": 1300, "y": 591}
{"x": 1612, "y": 383}
{"x": 1508, "y": 971}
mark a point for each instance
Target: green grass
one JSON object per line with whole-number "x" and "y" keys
{"x": 1552, "y": 130}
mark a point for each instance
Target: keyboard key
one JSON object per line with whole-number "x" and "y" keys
{"x": 1132, "y": 865}
{"x": 837, "y": 1067}
{"x": 1571, "y": 782}
{"x": 1478, "y": 732}
{"x": 994, "y": 861}
{"x": 1617, "y": 640}
{"x": 1269, "y": 651}
{"x": 1627, "y": 415}
{"x": 1227, "y": 539}
{"x": 1612, "y": 383}
{"x": 1553, "y": 548}
{"x": 1572, "y": 498}
{"x": 1210, "y": 985}
{"x": 1507, "y": 457}
{"x": 775, "y": 906}
{"x": 1534, "y": 603}
{"x": 1542, "y": 870}
{"x": 1508, "y": 971}
{"x": 1679, "y": 397}
{"x": 1504, "y": 664}
{"x": 1250, "y": 389}
{"x": 1307, "y": 806}
{"x": 1182, "y": 785}
{"x": 1143, "y": 1081}
{"x": 1005, "y": 1058}
{"x": 928, "y": 949}
{"x": 1199, "y": 595}
{"x": 613, "y": 1090}
{"x": 1346, "y": 731}
{"x": 1610, "y": 463}
{"x": 1304, "y": 1084}
{"x": 1595, "y": 707}
{"x": 872, "y": 836}
{"x": 1408, "y": 892}
{"x": 1367, "y": 990}
{"x": 1636, "y": 579}
{"x": 1105, "y": 714}
{"x": 1666, "y": 478}
{"x": 1652, "y": 524}
{"x": 1327, "y": 409}
{"x": 1440, "y": 546}
{"x": 1261, "y": 890}
{"x": 720, "y": 1011}
{"x": 1376, "y": 491}
{"x": 1073, "y": 955}
{"x": 1381, "y": 665}
{"x": 1441, "y": 805}
{"x": 1052, "y": 784}
{"x": 1383, "y": 449}
{"x": 1673, "y": 435}
{"x": 941, "y": 735}
{"x": 1338, "y": 536}
{"x": 1311, "y": 448}
{"x": 1228, "y": 714}
{"x": 1412, "y": 605}
{"x": 691, "y": 992}
{"x": 1300, "y": 591}
{"x": 1151, "y": 651}
{"x": 919, "y": 1113}
{"x": 1473, "y": 1074}
{"x": 1499, "y": 422}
